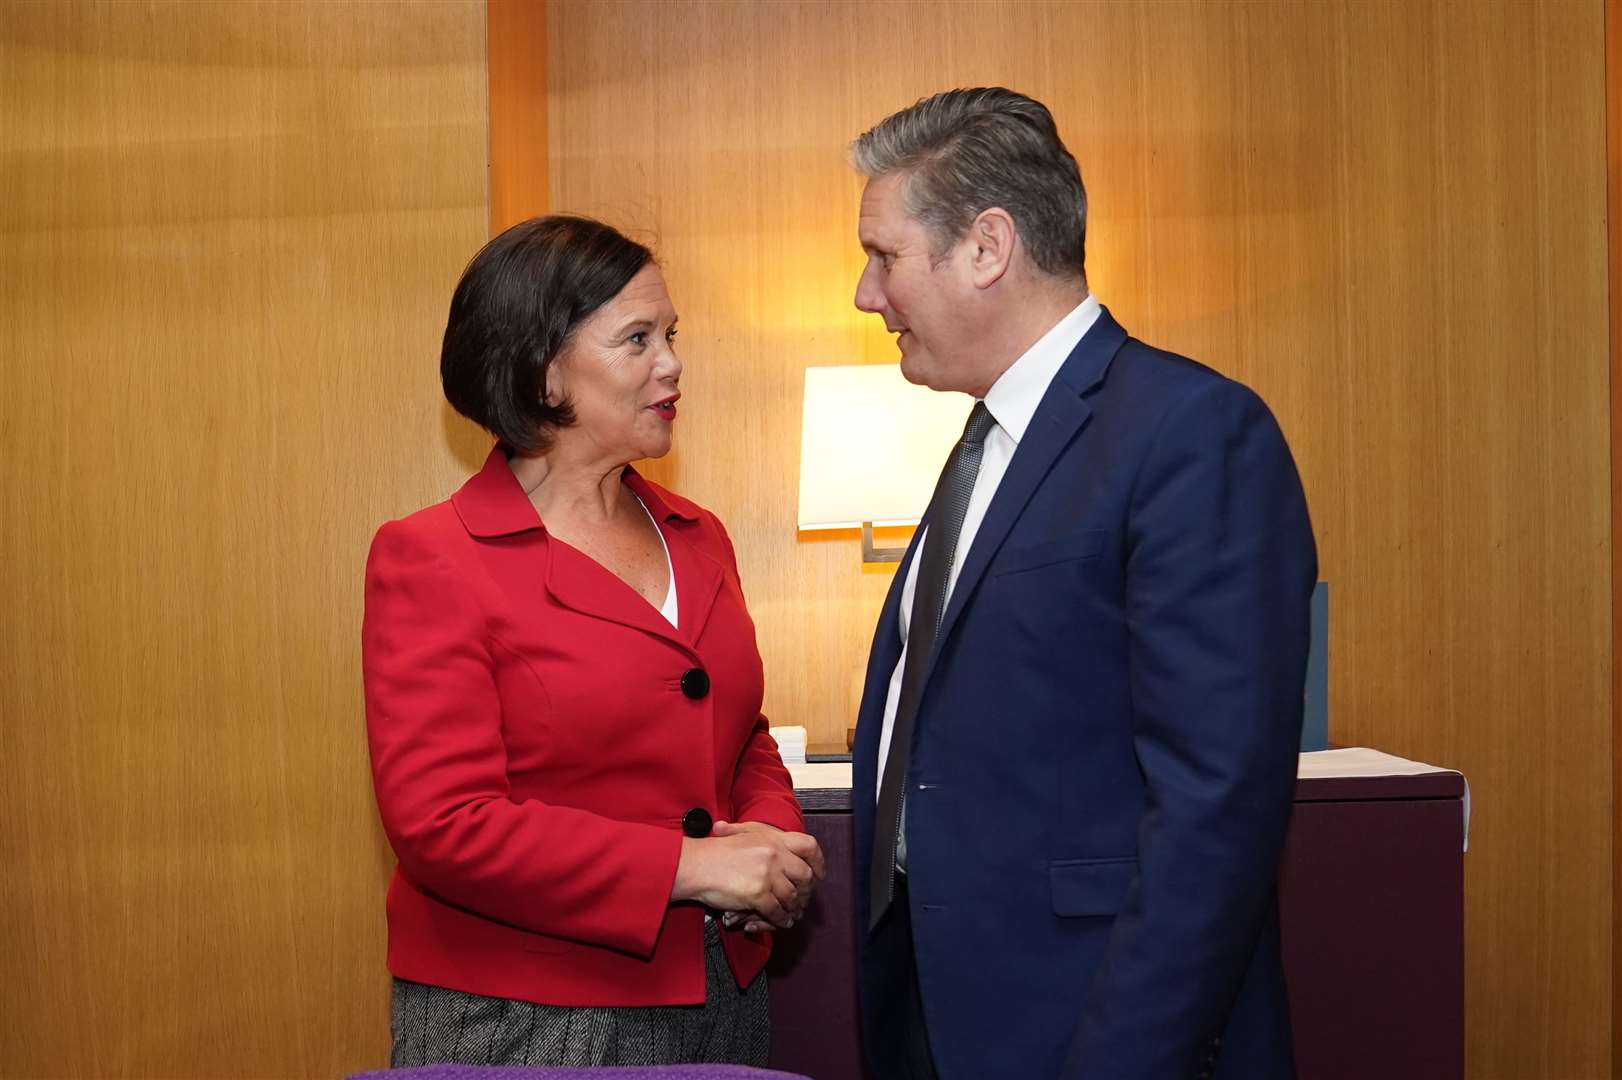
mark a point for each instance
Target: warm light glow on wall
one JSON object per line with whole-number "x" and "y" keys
{"x": 872, "y": 445}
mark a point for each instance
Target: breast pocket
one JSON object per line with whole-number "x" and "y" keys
{"x": 1086, "y": 544}
{"x": 1091, "y": 886}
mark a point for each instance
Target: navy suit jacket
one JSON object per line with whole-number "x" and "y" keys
{"x": 1105, "y": 753}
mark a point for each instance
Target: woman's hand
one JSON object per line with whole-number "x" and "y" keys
{"x": 750, "y": 867}
{"x": 748, "y": 920}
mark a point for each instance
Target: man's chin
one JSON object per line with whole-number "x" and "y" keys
{"x": 921, "y": 371}
{"x": 915, "y": 369}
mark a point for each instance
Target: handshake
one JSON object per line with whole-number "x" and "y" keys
{"x": 759, "y": 876}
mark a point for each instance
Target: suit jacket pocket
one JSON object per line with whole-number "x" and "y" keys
{"x": 1091, "y": 886}
{"x": 1085, "y": 544}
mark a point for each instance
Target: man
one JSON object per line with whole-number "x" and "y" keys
{"x": 1076, "y": 751}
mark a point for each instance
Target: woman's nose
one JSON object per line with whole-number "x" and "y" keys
{"x": 669, "y": 366}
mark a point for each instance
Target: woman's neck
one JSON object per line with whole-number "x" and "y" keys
{"x": 555, "y": 485}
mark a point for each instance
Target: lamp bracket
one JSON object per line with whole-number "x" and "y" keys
{"x": 874, "y": 554}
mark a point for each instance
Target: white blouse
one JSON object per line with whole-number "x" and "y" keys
{"x": 668, "y": 608}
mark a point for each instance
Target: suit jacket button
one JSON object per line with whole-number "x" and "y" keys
{"x": 696, "y": 822}
{"x": 695, "y": 683}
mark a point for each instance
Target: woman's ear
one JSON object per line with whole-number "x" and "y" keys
{"x": 554, "y": 382}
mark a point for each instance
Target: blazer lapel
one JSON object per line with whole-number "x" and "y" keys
{"x": 698, "y": 581}
{"x": 1062, "y": 413}
{"x": 580, "y": 583}
{"x": 492, "y": 505}
{"x": 697, "y": 573}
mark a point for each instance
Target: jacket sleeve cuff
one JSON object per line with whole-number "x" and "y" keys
{"x": 782, "y": 812}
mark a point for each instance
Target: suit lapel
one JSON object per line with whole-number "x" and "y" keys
{"x": 886, "y": 649}
{"x": 881, "y": 662}
{"x": 1063, "y": 412}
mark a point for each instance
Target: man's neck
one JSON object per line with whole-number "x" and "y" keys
{"x": 1027, "y": 316}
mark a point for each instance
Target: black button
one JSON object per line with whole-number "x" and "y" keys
{"x": 696, "y": 822}
{"x": 695, "y": 683}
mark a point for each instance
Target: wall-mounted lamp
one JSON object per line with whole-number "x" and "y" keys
{"x": 871, "y": 447}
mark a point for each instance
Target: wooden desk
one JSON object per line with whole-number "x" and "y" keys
{"x": 1371, "y": 895}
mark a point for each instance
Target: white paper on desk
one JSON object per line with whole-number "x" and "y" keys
{"x": 820, "y": 775}
{"x": 1361, "y": 761}
{"x": 790, "y": 741}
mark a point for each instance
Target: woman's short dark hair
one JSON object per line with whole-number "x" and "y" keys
{"x": 514, "y": 310}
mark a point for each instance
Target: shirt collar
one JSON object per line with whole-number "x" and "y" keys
{"x": 1013, "y": 398}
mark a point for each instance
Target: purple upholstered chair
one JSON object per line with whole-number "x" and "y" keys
{"x": 602, "y": 1072}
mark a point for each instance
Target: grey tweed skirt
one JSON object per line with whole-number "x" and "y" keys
{"x": 433, "y": 1025}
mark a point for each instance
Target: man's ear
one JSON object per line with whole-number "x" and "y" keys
{"x": 994, "y": 238}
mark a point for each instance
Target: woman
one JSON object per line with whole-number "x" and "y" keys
{"x": 563, "y": 700}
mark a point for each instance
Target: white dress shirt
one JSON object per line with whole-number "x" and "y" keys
{"x": 1012, "y": 401}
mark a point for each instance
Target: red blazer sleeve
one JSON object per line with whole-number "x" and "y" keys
{"x": 439, "y": 766}
{"x": 762, "y": 789}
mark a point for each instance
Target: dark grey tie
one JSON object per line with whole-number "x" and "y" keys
{"x": 946, "y": 509}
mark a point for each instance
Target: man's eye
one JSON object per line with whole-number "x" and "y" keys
{"x": 886, "y": 260}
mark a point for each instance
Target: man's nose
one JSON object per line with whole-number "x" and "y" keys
{"x": 869, "y": 297}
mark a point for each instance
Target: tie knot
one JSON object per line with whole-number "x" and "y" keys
{"x": 979, "y": 425}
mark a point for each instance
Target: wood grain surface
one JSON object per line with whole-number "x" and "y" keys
{"x": 231, "y": 232}
{"x": 516, "y": 32}
{"x": 1613, "y": 206}
{"x": 1388, "y": 218}
{"x": 230, "y": 235}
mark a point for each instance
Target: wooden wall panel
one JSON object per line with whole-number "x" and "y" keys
{"x": 1613, "y": 206}
{"x": 516, "y": 32}
{"x": 1387, "y": 217}
{"x": 230, "y": 233}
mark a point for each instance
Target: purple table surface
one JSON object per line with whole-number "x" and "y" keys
{"x": 601, "y": 1072}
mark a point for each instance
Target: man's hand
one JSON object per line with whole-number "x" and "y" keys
{"x": 751, "y": 868}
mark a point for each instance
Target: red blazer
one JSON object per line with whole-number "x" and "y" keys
{"x": 533, "y": 751}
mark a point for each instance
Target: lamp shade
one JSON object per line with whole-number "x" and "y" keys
{"x": 872, "y": 445}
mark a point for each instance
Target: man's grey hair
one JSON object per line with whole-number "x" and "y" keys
{"x": 963, "y": 151}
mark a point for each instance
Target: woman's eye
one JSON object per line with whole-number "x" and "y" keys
{"x": 639, "y": 338}
{"x": 670, "y": 335}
